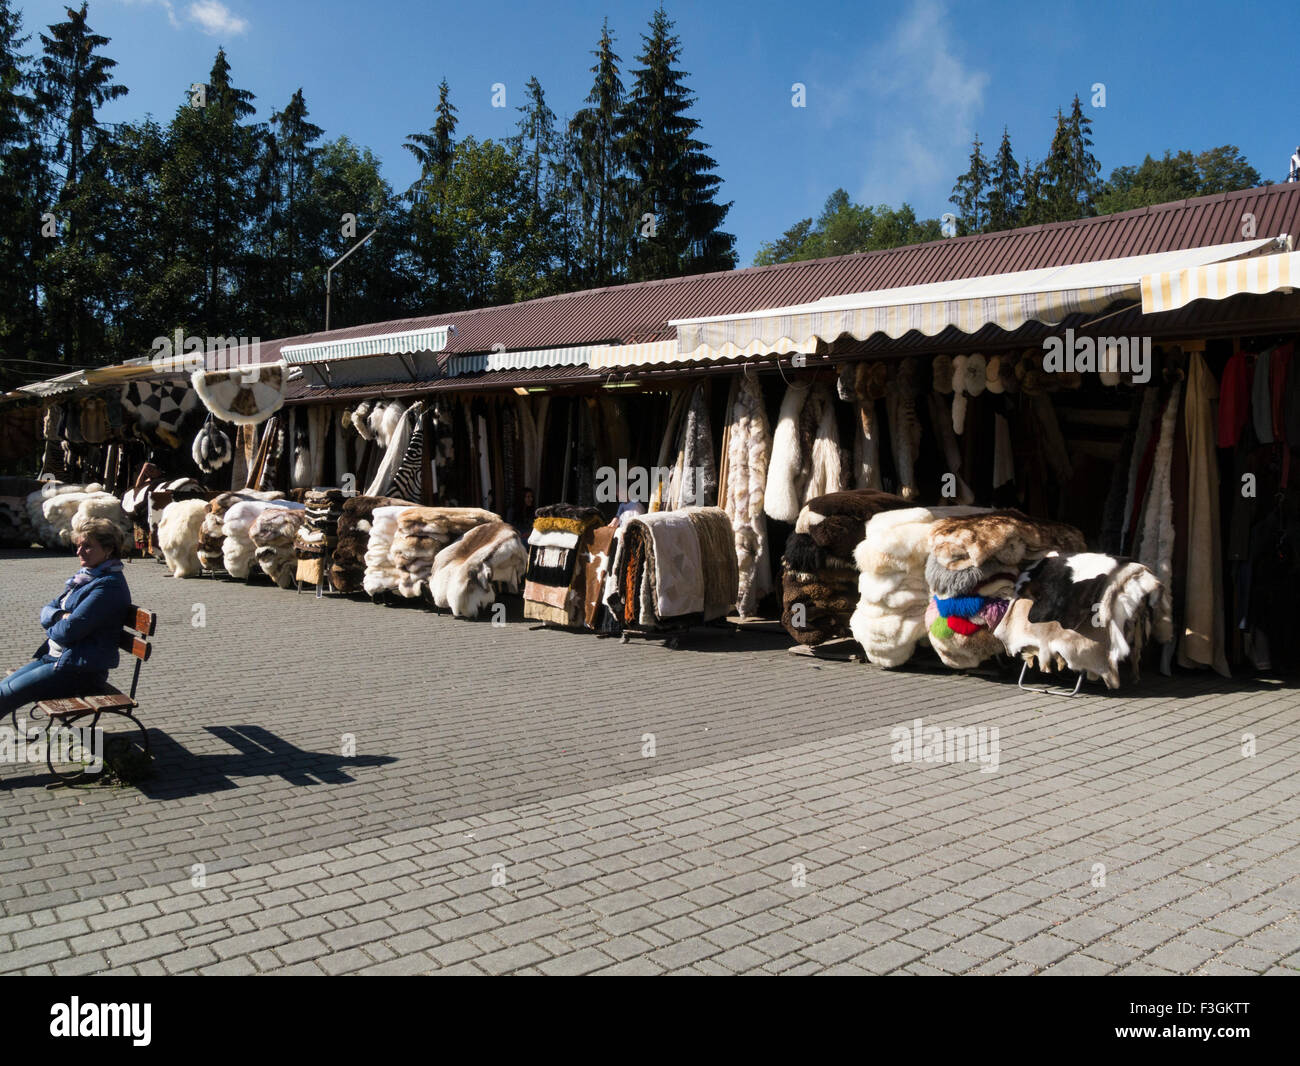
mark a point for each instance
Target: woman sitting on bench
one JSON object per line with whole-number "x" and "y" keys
{"x": 82, "y": 626}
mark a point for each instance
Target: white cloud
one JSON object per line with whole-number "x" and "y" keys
{"x": 914, "y": 103}
{"x": 214, "y": 18}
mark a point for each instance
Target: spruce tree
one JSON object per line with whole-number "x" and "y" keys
{"x": 430, "y": 228}
{"x": 970, "y": 193}
{"x": 672, "y": 180}
{"x": 1006, "y": 189}
{"x": 596, "y": 134}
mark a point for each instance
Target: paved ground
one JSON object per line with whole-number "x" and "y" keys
{"x": 525, "y": 801}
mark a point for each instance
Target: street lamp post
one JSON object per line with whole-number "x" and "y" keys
{"x": 329, "y": 274}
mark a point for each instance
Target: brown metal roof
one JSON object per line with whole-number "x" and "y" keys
{"x": 641, "y": 312}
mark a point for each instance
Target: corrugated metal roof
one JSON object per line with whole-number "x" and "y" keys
{"x": 641, "y": 312}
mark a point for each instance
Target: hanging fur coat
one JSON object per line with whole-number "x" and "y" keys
{"x": 805, "y": 460}
{"x": 694, "y": 480}
{"x": 749, "y": 447}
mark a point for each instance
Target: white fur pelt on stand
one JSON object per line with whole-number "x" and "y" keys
{"x": 178, "y": 536}
{"x": 237, "y": 550}
{"x": 381, "y": 569}
{"x": 893, "y": 592}
{"x": 749, "y": 448}
{"x": 466, "y": 573}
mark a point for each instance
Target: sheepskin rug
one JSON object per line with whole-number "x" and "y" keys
{"x": 466, "y": 573}
{"x": 238, "y": 552}
{"x": 179, "y": 530}
{"x": 272, "y": 533}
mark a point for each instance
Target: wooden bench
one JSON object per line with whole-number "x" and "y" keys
{"x": 138, "y": 626}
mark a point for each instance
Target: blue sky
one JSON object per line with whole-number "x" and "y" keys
{"x": 894, "y": 94}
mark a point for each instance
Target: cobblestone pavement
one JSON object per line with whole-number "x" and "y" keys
{"x": 536, "y": 801}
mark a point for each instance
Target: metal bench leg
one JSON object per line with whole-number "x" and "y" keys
{"x": 1048, "y": 690}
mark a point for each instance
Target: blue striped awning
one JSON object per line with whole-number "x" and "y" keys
{"x": 410, "y": 342}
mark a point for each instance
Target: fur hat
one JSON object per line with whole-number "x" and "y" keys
{"x": 993, "y": 375}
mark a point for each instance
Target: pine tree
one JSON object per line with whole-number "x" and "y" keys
{"x": 435, "y": 151}
{"x": 1006, "y": 188}
{"x": 672, "y": 180}
{"x": 601, "y": 164}
{"x": 210, "y": 202}
{"x": 970, "y": 193}
{"x": 1070, "y": 170}
{"x": 75, "y": 80}
{"x": 21, "y": 205}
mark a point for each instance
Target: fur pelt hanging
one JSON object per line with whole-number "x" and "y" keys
{"x": 749, "y": 447}
{"x": 1155, "y": 548}
{"x": 904, "y": 427}
{"x": 1087, "y": 612}
{"x": 242, "y": 395}
{"x": 178, "y": 536}
{"x": 806, "y": 460}
{"x": 782, "y": 495}
{"x": 467, "y": 572}
{"x": 211, "y": 449}
{"x": 695, "y": 473}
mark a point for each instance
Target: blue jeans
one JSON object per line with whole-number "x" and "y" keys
{"x": 40, "y": 680}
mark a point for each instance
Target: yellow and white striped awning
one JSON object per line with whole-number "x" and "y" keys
{"x": 617, "y": 355}
{"x": 1008, "y": 301}
{"x": 1172, "y": 289}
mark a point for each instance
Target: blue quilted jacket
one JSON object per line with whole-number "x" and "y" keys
{"x": 91, "y": 624}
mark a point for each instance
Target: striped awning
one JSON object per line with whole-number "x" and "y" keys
{"x": 616, "y": 355}
{"x": 410, "y": 342}
{"x": 1008, "y": 301}
{"x": 1172, "y": 289}
{"x": 531, "y": 359}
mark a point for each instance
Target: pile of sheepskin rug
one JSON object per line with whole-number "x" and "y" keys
{"x": 348, "y": 564}
{"x": 979, "y": 583}
{"x": 212, "y": 532}
{"x": 238, "y": 551}
{"x": 55, "y": 511}
{"x": 467, "y": 573}
{"x": 819, "y": 580}
{"x": 273, "y": 533}
{"x": 318, "y": 534}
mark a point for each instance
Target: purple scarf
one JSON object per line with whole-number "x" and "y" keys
{"x": 86, "y": 574}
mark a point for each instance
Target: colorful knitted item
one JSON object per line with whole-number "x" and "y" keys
{"x": 962, "y": 626}
{"x": 939, "y": 629}
{"x": 959, "y": 606}
{"x": 992, "y": 612}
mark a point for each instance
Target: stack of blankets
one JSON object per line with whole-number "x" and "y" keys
{"x": 273, "y": 534}
{"x": 819, "y": 578}
{"x": 16, "y": 529}
{"x": 348, "y": 565}
{"x": 893, "y": 596}
{"x": 971, "y": 571}
{"x": 672, "y": 568}
{"x": 422, "y": 532}
{"x": 1086, "y": 612}
{"x": 555, "y": 584}
{"x": 318, "y": 533}
{"x": 212, "y": 532}
{"x": 237, "y": 549}
{"x": 55, "y": 509}
{"x": 467, "y": 573}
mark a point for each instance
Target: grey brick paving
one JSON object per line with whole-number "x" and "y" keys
{"x": 498, "y": 816}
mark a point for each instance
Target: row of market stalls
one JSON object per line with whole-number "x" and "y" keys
{"x": 1059, "y": 442}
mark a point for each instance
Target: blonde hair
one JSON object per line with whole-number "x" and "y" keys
{"x": 105, "y": 532}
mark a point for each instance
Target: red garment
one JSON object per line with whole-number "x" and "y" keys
{"x": 1234, "y": 400}
{"x": 963, "y": 626}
